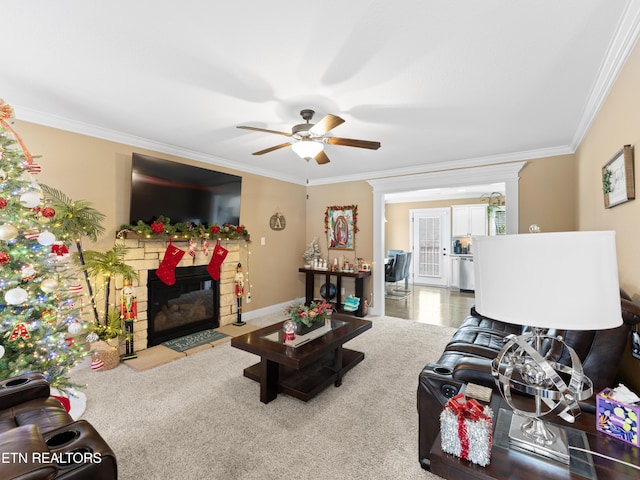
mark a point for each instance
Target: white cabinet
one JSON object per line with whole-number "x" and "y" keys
{"x": 468, "y": 220}
{"x": 454, "y": 278}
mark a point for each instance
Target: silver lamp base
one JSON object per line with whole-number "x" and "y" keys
{"x": 533, "y": 435}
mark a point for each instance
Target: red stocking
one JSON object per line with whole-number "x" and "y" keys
{"x": 167, "y": 269}
{"x": 219, "y": 254}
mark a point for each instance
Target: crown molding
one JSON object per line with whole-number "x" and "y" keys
{"x": 452, "y": 165}
{"x": 61, "y": 123}
{"x": 622, "y": 44}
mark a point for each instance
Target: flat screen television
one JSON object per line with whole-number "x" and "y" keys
{"x": 183, "y": 193}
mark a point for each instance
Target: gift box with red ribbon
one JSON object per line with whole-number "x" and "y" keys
{"x": 466, "y": 429}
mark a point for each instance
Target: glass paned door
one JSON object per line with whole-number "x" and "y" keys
{"x": 431, "y": 238}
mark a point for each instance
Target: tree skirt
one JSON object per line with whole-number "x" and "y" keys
{"x": 75, "y": 402}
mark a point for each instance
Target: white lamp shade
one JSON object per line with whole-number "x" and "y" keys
{"x": 565, "y": 280}
{"x": 307, "y": 148}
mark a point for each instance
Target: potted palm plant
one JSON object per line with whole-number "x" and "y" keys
{"x": 105, "y": 267}
{"x": 74, "y": 220}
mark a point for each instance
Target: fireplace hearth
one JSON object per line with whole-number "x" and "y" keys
{"x": 188, "y": 306}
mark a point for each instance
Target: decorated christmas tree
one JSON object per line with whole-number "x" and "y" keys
{"x": 40, "y": 326}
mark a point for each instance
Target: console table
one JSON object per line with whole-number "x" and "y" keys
{"x": 310, "y": 276}
{"x": 507, "y": 463}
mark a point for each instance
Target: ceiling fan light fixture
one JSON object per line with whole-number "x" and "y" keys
{"x": 307, "y": 149}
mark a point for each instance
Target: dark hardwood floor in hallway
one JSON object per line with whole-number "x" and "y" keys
{"x": 433, "y": 305}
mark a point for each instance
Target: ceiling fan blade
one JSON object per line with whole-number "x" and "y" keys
{"x": 256, "y": 129}
{"x": 350, "y": 142}
{"x": 322, "y": 158}
{"x": 271, "y": 149}
{"x": 328, "y": 122}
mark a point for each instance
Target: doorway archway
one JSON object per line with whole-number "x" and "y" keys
{"x": 507, "y": 173}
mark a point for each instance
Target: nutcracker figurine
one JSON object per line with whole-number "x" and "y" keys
{"x": 239, "y": 293}
{"x": 128, "y": 312}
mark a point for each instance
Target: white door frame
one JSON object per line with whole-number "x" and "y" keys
{"x": 506, "y": 172}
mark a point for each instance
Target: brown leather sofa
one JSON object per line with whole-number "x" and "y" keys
{"x": 468, "y": 355}
{"x": 40, "y": 440}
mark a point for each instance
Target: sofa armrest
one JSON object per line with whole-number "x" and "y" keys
{"x": 630, "y": 312}
{"x": 20, "y": 445}
{"x": 474, "y": 370}
{"x": 23, "y": 388}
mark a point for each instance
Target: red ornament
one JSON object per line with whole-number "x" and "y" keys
{"x": 215, "y": 229}
{"x": 157, "y": 227}
{"x": 48, "y": 212}
{"x": 4, "y": 258}
{"x": 3, "y": 203}
{"x": 59, "y": 249}
{"x": 239, "y": 228}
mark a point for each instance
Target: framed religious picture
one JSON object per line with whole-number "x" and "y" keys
{"x": 618, "y": 182}
{"x": 341, "y": 225}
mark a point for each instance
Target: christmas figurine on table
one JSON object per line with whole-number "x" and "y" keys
{"x": 239, "y": 279}
{"x": 128, "y": 312}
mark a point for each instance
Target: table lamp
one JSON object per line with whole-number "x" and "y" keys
{"x": 562, "y": 281}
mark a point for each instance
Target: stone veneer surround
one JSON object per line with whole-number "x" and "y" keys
{"x": 145, "y": 254}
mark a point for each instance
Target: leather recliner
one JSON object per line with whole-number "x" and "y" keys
{"x": 468, "y": 355}
{"x": 40, "y": 440}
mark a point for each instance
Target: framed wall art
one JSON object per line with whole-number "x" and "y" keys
{"x": 618, "y": 182}
{"x": 341, "y": 225}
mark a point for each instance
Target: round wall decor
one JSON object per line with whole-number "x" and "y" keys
{"x": 277, "y": 222}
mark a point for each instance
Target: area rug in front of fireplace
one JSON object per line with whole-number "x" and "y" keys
{"x": 194, "y": 340}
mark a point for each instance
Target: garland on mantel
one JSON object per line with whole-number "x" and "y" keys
{"x": 162, "y": 227}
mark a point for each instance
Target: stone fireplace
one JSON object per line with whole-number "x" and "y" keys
{"x": 188, "y": 306}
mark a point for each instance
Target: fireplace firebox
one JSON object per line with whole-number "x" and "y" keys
{"x": 190, "y": 305}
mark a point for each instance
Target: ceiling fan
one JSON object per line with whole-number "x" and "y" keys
{"x": 309, "y": 138}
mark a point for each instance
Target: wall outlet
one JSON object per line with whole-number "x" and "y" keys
{"x": 248, "y": 298}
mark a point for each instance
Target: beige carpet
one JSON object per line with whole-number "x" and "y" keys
{"x": 159, "y": 354}
{"x": 200, "y": 418}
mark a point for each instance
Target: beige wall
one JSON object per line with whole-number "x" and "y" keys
{"x": 96, "y": 170}
{"x": 341, "y": 194}
{"x": 547, "y": 194}
{"x": 617, "y": 124}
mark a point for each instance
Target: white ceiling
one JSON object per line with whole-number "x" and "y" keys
{"x": 461, "y": 82}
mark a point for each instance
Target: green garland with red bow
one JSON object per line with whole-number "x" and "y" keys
{"x": 163, "y": 227}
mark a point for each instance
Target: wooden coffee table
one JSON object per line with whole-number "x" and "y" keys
{"x": 305, "y": 370}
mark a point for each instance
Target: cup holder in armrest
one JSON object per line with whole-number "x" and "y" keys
{"x": 16, "y": 382}
{"x": 441, "y": 369}
{"x": 63, "y": 438}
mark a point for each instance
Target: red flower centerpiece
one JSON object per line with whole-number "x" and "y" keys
{"x": 308, "y": 318}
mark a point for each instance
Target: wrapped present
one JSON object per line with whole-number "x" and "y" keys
{"x": 466, "y": 429}
{"x": 617, "y": 418}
